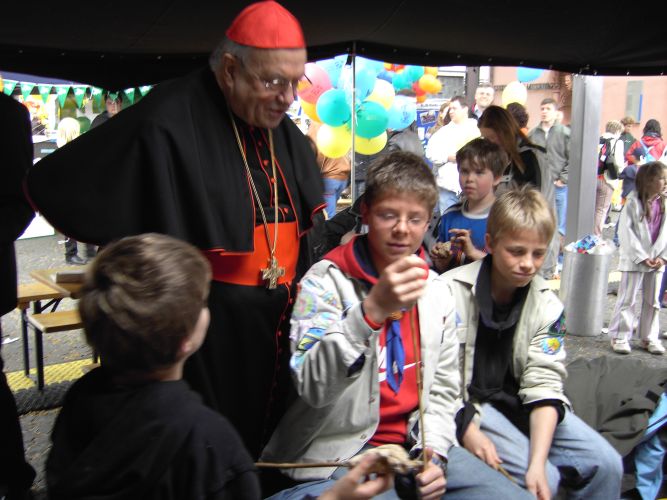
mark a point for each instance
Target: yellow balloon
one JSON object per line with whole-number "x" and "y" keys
{"x": 309, "y": 109}
{"x": 2, "y": 84}
{"x": 334, "y": 142}
{"x": 431, "y": 70}
{"x": 383, "y": 93}
{"x": 370, "y": 146}
{"x": 514, "y": 92}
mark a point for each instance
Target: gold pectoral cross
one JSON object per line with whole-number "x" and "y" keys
{"x": 272, "y": 273}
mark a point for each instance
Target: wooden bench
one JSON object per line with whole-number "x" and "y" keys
{"x": 34, "y": 293}
{"x": 51, "y": 322}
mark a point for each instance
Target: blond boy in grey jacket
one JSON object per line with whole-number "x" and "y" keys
{"x": 511, "y": 330}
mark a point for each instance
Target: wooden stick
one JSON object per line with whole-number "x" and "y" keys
{"x": 502, "y": 470}
{"x": 413, "y": 329}
{"x": 289, "y": 465}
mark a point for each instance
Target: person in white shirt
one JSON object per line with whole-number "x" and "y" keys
{"x": 607, "y": 181}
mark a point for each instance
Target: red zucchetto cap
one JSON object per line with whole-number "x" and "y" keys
{"x": 267, "y": 25}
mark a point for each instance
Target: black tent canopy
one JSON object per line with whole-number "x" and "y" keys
{"x": 122, "y": 44}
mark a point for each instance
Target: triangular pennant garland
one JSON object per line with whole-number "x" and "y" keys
{"x": 144, "y": 89}
{"x": 79, "y": 94}
{"x": 96, "y": 94}
{"x": 10, "y": 85}
{"x": 130, "y": 94}
{"x": 26, "y": 88}
{"x": 62, "y": 91}
{"x": 44, "y": 91}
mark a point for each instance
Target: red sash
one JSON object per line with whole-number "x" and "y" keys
{"x": 246, "y": 268}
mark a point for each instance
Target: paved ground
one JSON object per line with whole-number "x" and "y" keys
{"x": 46, "y": 252}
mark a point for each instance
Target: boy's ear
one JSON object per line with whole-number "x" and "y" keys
{"x": 487, "y": 243}
{"x": 496, "y": 180}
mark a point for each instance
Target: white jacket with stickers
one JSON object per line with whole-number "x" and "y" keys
{"x": 538, "y": 351}
{"x": 335, "y": 369}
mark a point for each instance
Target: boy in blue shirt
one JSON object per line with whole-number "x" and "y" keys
{"x": 462, "y": 227}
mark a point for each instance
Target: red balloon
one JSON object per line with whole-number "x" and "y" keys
{"x": 316, "y": 84}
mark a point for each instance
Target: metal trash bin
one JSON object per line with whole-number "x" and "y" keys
{"x": 583, "y": 290}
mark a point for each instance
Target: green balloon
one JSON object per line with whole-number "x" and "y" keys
{"x": 372, "y": 119}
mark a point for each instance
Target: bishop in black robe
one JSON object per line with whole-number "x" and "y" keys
{"x": 171, "y": 164}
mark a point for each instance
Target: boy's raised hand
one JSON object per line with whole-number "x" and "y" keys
{"x": 441, "y": 255}
{"x": 400, "y": 285}
{"x": 461, "y": 238}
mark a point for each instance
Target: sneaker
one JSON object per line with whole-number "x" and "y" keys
{"x": 75, "y": 260}
{"x": 664, "y": 334}
{"x": 620, "y": 346}
{"x": 653, "y": 346}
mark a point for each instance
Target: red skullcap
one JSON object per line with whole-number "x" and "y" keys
{"x": 267, "y": 25}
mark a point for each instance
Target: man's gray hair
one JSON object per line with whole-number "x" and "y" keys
{"x": 227, "y": 46}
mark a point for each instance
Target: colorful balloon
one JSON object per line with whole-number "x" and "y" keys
{"x": 383, "y": 93}
{"x": 414, "y": 72}
{"x": 430, "y": 84}
{"x": 402, "y": 113}
{"x": 401, "y": 81}
{"x": 372, "y": 119}
{"x": 333, "y": 67}
{"x": 528, "y": 74}
{"x": 365, "y": 82}
{"x": 333, "y": 108}
{"x": 334, "y": 142}
{"x": 315, "y": 84}
{"x": 310, "y": 110}
{"x": 514, "y": 92}
{"x": 431, "y": 70}
{"x": 370, "y": 146}
{"x": 369, "y": 64}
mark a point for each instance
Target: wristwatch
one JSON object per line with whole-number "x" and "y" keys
{"x": 440, "y": 462}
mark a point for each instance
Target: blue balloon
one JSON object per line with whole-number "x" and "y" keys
{"x": 528, "y": 74}
{"x": 414, "y": 72}
{"x": 386, "y": 75}
{"x": 372, "y": 119}
{"x": 332, "y": 108}
{"x": 361, "y": 63}
{"x": 401, "y": 81}
{"x": 365, "y": 83}
{"x": 333, "y": 67}
{"x": 402, "y": 112}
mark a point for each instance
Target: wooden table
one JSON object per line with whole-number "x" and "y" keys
{"x": 48, "y": 277}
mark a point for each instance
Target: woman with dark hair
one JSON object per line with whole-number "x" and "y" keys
{"x": 650, "y": 147}
{"x": 499, "y": 126}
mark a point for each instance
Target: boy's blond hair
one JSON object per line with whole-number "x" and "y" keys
{"x": 68, "y": 130}
{"x": 518, "y": 210}
{"x": 400, "y": 173}
{"x": 141, "y": 298}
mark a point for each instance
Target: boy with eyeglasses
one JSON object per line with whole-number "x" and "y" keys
{"x": 366, "y": 319}
{"x": 462, "y": 227}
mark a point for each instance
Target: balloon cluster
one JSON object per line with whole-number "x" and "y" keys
{"x": 326, "y": 97}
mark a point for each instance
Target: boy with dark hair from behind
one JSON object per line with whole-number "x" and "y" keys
{"x": 462, "y": 227}
{"x": 132, "y": 428}
{"x": 511, "y": 328}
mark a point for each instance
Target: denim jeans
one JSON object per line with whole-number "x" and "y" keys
{"x": 332, "y": 190}
{"x": 468, "y": 478}
{"x": 580, "y": 459}
{"x": 561, "y": 208}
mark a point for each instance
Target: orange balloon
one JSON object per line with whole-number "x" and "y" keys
{"x": 388, "y": 66}
{"x": 421, "y": 98}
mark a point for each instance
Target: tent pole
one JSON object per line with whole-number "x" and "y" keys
{"x": 353, "y": 126}
{"x": 584, "y": 140}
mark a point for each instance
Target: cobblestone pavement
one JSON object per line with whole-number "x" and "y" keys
{"x": 46, "y": 252}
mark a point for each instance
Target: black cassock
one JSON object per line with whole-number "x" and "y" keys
{"x": 171, "y": 164}
{"x": 150, "y": 441}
